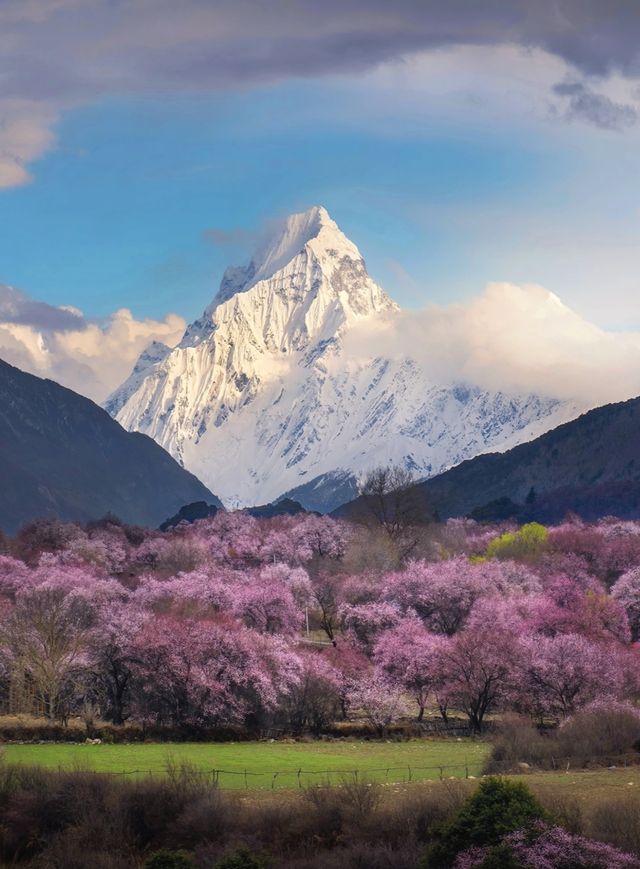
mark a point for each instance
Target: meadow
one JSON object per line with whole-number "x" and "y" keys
{"x": 267, "y": 765}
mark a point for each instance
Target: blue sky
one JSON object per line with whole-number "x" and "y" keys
{"x": 116, "y": 213}
{"x": 448, "y": 170}
{"x": 146, "y": 146}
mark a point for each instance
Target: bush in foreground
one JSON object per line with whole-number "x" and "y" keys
{"x": 601, "y": 734}
{"x": 545, "y": 847}
{"x": 497, "y": 808}
{"x": 166, "y": 859}
{"x": 243, "y": 859}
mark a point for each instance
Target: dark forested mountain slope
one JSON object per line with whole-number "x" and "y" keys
{"x": 62, "y": 455}
{"x": 590, "y": 466}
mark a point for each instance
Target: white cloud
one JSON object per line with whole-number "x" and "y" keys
{"x": 518, "y": 339}
{"x": 25, "y": 135}
{"x": 56, "y": 54}
{"x": 93, "y": 359}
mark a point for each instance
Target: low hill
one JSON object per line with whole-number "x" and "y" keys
{"x": 282, "y": 507}
{"x": 62, "y": 455}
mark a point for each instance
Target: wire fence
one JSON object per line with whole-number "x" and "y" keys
{"x": 247, "y": 779}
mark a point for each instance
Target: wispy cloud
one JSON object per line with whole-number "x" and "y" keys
{"x": 598, "y": 109}
{"x": 224, "y": 238}
{"x": 56, "y": 54}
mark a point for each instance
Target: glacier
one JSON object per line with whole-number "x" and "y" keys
{"x": 261, "y": 396}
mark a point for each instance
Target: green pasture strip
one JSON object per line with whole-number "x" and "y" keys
{"x": 260, "y": 765}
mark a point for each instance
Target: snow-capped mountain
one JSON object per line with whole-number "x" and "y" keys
{"x": 261, "y": 396}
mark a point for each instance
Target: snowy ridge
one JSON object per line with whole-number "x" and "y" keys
{"x": 260, "y": 396}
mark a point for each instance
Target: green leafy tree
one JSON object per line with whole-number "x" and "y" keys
{"x": 498, "y": 807}
{"x": 526, "y": 544}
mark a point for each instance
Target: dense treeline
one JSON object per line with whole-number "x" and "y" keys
{"x": 294, "y": 622}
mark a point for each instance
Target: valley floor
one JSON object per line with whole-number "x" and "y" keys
{"x": 285, "y": 766}
{"x": 269, "y": 765}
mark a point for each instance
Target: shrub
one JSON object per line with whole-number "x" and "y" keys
{"x": 518, "y": 741}
{"x": 604, "y": 730}
{"x": 166, "y": 859}
{"x": 358, "y": 856}
{"x": 544, "y": 847}
{"x": 600, "y": 734}
{"x": 206, "y": 817}
{"x": 243, "y": 859}
{"x": 498, "y": 807}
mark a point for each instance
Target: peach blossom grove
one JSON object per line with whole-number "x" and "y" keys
{"x": 292, "y": 623}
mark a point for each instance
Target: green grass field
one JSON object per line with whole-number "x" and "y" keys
{"x": 268, "y": 765}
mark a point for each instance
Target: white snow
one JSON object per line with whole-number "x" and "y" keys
{"x": 260, "y": 395}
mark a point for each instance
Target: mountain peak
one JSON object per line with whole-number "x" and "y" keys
{"x": 307, "y": 251}
{"x": 313, "y": 227}
{"x": 264, "y": 394}
{"x": 298, "y": 230}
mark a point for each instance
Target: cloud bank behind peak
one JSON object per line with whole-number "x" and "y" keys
{"x": 511, "y": 338}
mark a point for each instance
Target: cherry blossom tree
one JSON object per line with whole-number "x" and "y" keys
{"x": 267, "y": 605}
{"x": 364, "y": 623}
{"x": 479, "y": 670}
{"x": 441, "y": 593}
{"x": 565, "y": 672}
{"x": 326, "y": 595}
{"x": 626, "y": 591}
{"x": 112, "y": 659}
{"x": 566, "y": 607}
{"x": 45, "y": 637}
{"x": 547, "y": 847}
{"x": 202, "y": 624}
{"x": 410, "y": 658}
{"x": 312, "y": 701}
{"x": 379, "y": 700}
{"x": 351, "y": 667}
{"x": 205, "y": 672}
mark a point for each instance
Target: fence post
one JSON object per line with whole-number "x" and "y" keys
{"x": 441, "y": 773}
{"x": 409, "y": 768}
{"x": 246, "y": 783}
{"x": 299, "y": 780}
{"x": 355, "y": 775}
{"x": 273, "y": 780}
